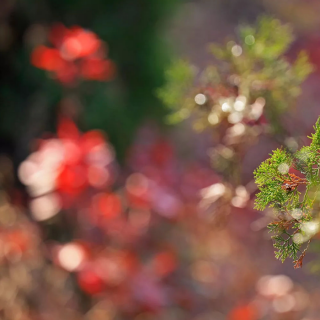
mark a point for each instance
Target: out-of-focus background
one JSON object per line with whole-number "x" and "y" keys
{"x": 101, "y": 200}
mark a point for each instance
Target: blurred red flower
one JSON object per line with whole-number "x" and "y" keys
{"x": 69, "y": 164}
{"x": 78, "y": 53}
{"x": 90, "y": 281}
{"x": 244, "y": 312}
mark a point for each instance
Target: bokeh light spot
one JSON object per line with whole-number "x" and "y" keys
{"x": 45, "y": 207}
{"x": 71, "y": 256}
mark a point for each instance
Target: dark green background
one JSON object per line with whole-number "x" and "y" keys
{"x": 134, "y": 33}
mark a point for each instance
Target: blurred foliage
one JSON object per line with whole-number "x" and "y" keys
{"x": 297, "y": 216}
{"x": 241, "y": 95}
{"x": 254, "y": 66}
{"x": 132, "y": 31}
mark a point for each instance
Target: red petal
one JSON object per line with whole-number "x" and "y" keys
{"x": 97, "y": 69}
{"x": 57, "y": 34}
{"x": 46, "y": 58}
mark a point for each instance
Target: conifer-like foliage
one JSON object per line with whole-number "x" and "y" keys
{"x": 245, "y": 71}
{"x": 242, "y": 94}
{"x": 289, "y": 183}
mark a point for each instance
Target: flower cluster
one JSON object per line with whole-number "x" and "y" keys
{"x": 77, "y": 53}
{"x": 71, "y": 177}
{"x": 114, "y": 248}
{"x": 67, "y": 164}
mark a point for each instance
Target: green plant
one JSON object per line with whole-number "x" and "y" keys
{"x": 289, "y": 183}
{"x": 247, "y": 74}
{"x": 241, "y": 95}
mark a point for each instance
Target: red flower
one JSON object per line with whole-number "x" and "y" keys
{"x": 85, "y": 159}
{"x": 47, "y": 59}
{"x": 108, "y": 205}
{"x": 77, "y": 53}
{"x": 244, "y": 312}
{"x": 90, "y": 281}
{"x": 164, "y": 263}
{"x": 97, "y": 69}
{"x": 69, "y": 164}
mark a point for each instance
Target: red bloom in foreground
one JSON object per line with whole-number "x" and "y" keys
{"x": 78, "y": 53}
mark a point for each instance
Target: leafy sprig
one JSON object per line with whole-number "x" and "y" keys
{"x": 292, "y": 195}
